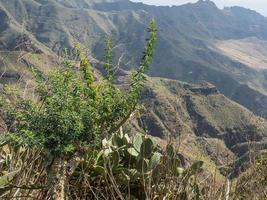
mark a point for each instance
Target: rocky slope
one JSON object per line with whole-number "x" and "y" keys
{"x": 194, "y": 46}
{"x": 206, "y": 124}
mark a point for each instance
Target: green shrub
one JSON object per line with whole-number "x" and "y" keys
{"x": 136, "y": 167}
{"x": 72, "y": 111}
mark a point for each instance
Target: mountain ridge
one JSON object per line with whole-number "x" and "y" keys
{"x": 199, "y": 117}
{"x": 186, "y": 34}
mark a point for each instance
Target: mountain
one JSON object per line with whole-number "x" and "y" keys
{"x": 197, "y": 42}
{"x": 201, "y": 122}
{"x": 209, "y": 126}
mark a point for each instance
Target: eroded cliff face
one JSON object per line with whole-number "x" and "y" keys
{"x": 203, "y": 122}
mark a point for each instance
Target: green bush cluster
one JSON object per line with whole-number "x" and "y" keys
{"x": 128, "y": 159}
{"x": 138, "y": 166}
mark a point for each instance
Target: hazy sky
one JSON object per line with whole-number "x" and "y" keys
{"x": 258, "y": 5}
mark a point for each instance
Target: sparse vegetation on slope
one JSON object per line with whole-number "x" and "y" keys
{"x": 78, "y": 132}
{"x": 205, "y": 124}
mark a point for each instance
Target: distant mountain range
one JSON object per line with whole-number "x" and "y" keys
{"x": 198, "y": 43}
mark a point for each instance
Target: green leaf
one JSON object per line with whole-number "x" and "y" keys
{"x": 117, "y": 141}
{"x": 132, "y": 152}
{"x": 142, "y": 165}
{"x": 146, "y": 148}
{"x": 137, "y": 142}
{"x": 126, "y": 139}
{"x": 154, "y": 140}
{"x": 99, "y": 158}
{"x": 5, "y": 180}
{"x": 180, "y": 171}
{"x": 155, "y": 160}
{"x": 115, "y": 158}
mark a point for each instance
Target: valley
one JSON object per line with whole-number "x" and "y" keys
{"x": 206, "y": 89}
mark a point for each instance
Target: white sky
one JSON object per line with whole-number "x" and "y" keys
{"x": 258, "y": 5}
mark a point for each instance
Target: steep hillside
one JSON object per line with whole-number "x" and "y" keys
{"x": 206, "y": 95}
{"x": 200, "y": 121}
{"x": 209, "y": 126}
{"x": 197, "y": 42}
{"x": 192, "y": 39}
{"x": 249, "y": 51}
